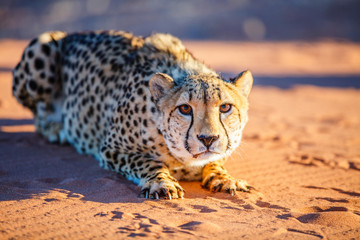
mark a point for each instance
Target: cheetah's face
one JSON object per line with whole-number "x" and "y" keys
{"x": 203, "y": 118}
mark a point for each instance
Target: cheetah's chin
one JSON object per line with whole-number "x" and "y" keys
{"x": 206, "y": 155}
{"x": 203, "y": 158}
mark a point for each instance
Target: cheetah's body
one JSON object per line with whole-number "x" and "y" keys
{"x": 92, "y": 91}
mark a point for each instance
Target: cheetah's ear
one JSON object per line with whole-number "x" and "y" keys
{"x": 244, "y": 82}
{"x": 159, "y": 84}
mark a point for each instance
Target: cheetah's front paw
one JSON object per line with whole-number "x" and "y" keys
{"x": 220, "y": 182}
{"x": 167, "y": 188}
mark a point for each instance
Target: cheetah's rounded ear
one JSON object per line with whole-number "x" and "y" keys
{"x": 244, "y": 82}
{"x": 159, "y": 84}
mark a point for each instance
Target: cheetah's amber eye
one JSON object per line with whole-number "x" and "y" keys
{"x": 185, "y": 109}
{"x": 225, "y": 108}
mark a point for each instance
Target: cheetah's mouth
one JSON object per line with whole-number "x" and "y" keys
{"x": 204, "y": 154}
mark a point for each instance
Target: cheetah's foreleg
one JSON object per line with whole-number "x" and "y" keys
{"x": 217, "y": 179}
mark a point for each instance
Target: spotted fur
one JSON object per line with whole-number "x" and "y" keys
{"x": 119, "y": 97}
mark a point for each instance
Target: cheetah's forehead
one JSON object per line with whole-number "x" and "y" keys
{"x": 204, "y": 88}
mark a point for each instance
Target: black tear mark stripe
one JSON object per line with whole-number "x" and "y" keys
{"x": 227, "y": 136}
{"x": 187, "y": 134}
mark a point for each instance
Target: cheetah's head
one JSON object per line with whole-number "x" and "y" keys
{"x": 202, "y": 117}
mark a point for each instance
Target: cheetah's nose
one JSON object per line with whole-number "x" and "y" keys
{"x": 207, "y": 140}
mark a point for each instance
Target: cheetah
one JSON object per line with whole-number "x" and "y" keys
{"x": 144, "y": 107}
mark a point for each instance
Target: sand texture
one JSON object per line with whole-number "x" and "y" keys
{"x": 301, "y": 150}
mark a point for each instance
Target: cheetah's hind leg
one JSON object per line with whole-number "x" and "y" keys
{"x": 48, "y": 121}
{"x": 37, "y": 83}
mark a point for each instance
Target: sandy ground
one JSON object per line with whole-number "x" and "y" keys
{"x": 301, "y": 150}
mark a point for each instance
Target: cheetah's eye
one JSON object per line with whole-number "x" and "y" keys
{"x": 185, "y": 109}
{"x": 225, "y": 108}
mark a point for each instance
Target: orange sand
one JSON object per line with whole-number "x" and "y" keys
{"x": 301, "y": 150}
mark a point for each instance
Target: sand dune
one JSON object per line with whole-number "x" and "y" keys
{"x": 300, "y": 150}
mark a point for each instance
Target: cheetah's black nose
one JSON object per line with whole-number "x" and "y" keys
{"x": 207, "y": 140}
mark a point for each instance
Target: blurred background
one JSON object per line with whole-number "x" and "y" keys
{"x": 201, "y": 19}
{"x": 265, "y": 26}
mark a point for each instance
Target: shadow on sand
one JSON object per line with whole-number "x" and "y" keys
{"x": 30, "y": 167}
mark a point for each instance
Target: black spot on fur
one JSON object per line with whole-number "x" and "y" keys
{"x": 32, "y": 85}
{"x": 51, "y": 80}
{"x": 52, "y": 68}
{"x": 46, "y": 49}
{"x": 140, "y": 91}
{"x": 39, "y": 64}
{"x": 40, "y": 90}
{"x": 30, "y": 54}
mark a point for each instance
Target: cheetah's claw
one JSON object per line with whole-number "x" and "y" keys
{"x": 225, "y": 183}
{"x": 165, "y": 192}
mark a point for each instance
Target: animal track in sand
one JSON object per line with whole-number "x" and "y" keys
{"x": 328, "y": 160}
{"x": 238, "y": 208}
{"x": 309, "y": 233}
{"x": 200, "y": 226}
{"x": 333, "y": 216}
{"x": 315, "y": 187}
{"x": 139, "y": 225}
{"x": 133, "y": 224}
{"x": 263, "y": 204}
{"x": 204, "y": 209}
{"x": 333, "y": 200}
{"x": 349, "y": 193}
{"x": 51, "y": 199}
